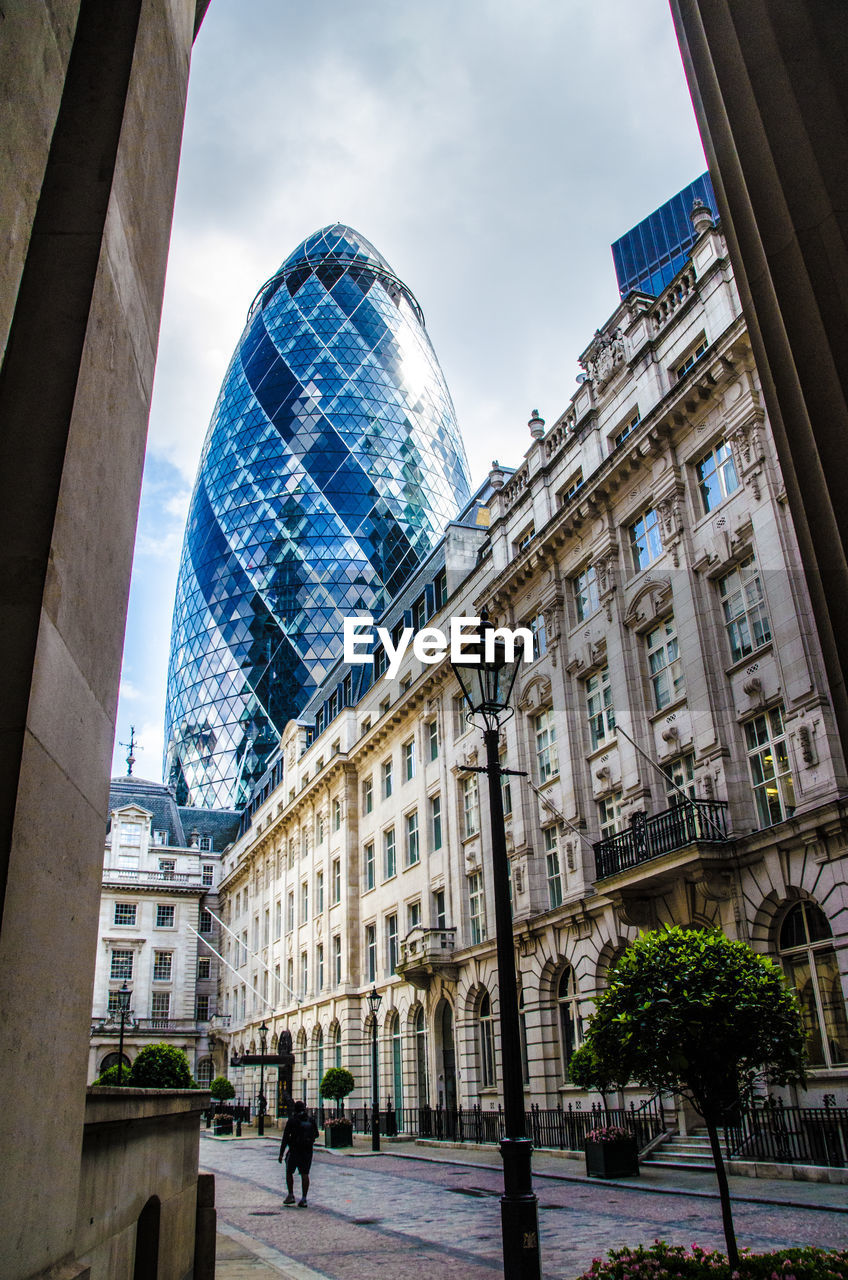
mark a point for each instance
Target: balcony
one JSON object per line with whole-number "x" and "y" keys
{"x": 145, "y": 1026}
{"x": 696, "y": 823}
{"x": 426, "y": 952}
{"x": 168, "y": 879}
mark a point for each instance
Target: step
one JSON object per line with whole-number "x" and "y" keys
{"x": 694, "y": 1167}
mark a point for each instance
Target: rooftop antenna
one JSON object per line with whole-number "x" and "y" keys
{"x": 131, "y": 745}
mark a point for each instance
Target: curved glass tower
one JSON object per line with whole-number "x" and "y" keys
{"x": 332, "y": 463}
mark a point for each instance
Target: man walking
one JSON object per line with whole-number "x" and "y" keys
{"x": 299, "y": 1136}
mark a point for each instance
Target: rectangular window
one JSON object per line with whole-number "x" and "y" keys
{"x": 122, "y": 966}
{"x": 419, "y": 614}
{"x": 413, "y": 851}
{"x": 208, "y": 875}
{"x": 290, "y": 993}
{"x": 337, "y": 881}
{"x": 167, "y": 866}
{"x": 506, "y": 786}
{"x": 160, "y": 837}
{"x": 205, "y": 844}
{"x": 435, "y": 823}
{"x": 609, "y": 815}
{"x": 621, "y": 435}
{"x": 408, "y": 750}
{"x": 162, "y": 962}
{"x": 368, "y": 865}
{"x": 645, "y": 541}
{"x": 371, "y": 952}
{"x": 389, "y": 854}
{"x": 584, "y": 588}
{"x": 599, "y": 708}
{"x": 205, "y": 925}
{"x": 130, "y": 833}
{"x": 685, "y": 365}
{"x": 525, "y": 538}
{"x": 744, "y": 607}
{"x": 160, "y": 1004}
{"x": 413, "y": 915}
{"x": 337, "y": 959}
{"x": 319, "y": 894}
{"x": 569, "y": 489}
{"x": 433, "y": 739}
{"x": 552, "y": 867}
{"x": 387, "y": 779}
{"x": 664, "y": 664}
{"x": 243, "y": 954}
{"x": 768, "y": 760}
{"x": 290, "y": 911}
{"x": 547, "y": 759}
{"x": 460, "y": 724}
{"x": 319, "y": 969}
{"x": 440, "y": 918}
{"x": 266, "y": 927}
{"x": 391, "y": 944}
{"x": 304, "y": 973}
{"x": 539, "y": 634}
{"x": 201, "y": 1010}
{"x": 337, "y": 815}
{"x": 716, "y": 476}
{"x": 278, "y": 919}
{"x": 319, "y": 829}
{"x": 125, "y": 912}
{"x": 367, "y": 795}
{"x": 304, "y": 843}
{"x": 164, "y": 915}
{"x": 680, "y": 771}
{"x": 476, "y": 908}
{"x": 304, "y": 902}
{"x": 204, "y": 967}
{"x": 440, "y": 588}
{"x": 114, "y": 1003}
{"x": 470, "y": 806}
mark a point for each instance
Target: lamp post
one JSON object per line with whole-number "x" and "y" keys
{"x": 263, "y": 1045}
{"x": 487, "y": 671}
{"x": 123, "y": 1013}
{"x": 374, "y": 1000}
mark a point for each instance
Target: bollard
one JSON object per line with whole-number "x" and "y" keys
{"x": 238, "y": 1127}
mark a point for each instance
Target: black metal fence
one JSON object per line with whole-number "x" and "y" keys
{"x": 790, "y": 1135}
{"x": 562, "y": 1129}
{"x": 649, "y": 837}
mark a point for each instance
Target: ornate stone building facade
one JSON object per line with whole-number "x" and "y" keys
{"x": 675, "y": 730}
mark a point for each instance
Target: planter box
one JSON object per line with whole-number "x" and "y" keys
{"x": 220, "y": 1127}
{"x": 612, "y": 1159}
{"x": 340, "y": 1135}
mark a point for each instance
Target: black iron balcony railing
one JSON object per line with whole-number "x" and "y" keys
{"x": 703, "y": 821}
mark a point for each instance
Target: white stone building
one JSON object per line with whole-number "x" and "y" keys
{"x": 675, "y": 727}
{"x": 158, "y": 912}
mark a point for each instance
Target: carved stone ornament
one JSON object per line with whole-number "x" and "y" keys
{"x": 604, "y": 356}
{"x": 639, "y": 913}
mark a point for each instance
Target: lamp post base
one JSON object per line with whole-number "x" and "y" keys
{"x": 519, "y": 1213}
{"x": 375, "y": 1129}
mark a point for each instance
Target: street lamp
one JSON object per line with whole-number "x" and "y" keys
{"x": 487, "y": 670}
{"x": 123, "y": 1013}
{"x": 263, "y": 1045}
{"x": 374, "y": 1000}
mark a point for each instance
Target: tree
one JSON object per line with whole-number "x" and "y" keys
{"x": 110, "y": 1076}
{"x": 587, "y": 1070}
{"x": 691, "y": 1012}
{"x": 222, "y": 1089}
{"x": 337, "y": 1084}
{"x": 161, "y": 1066}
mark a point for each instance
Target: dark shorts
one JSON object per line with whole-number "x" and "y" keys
{"x": 299, "y": 1161}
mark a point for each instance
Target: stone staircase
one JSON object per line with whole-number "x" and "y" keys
{"x": 678, "y": 1151}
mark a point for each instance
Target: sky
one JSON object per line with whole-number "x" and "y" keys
{"x": 491, "y": 150}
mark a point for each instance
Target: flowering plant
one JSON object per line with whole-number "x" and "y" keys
{"x": 608, "y": 1133}
{"x": 338, "y": 1122}
{"x": 662, "y": 1261}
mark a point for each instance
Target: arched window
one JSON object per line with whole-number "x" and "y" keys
{"x": 319, "y": 1045}
{"x": 111, "y": 1060}
{"x": 337, "y": 1046}
{"x": 487, "y": 1043}
{"x": 397, "y": 1064}
{"x": 204, "y": 1072}
{"x": 420, "y": 1032}
{"x": 522, "y": 1036}
{"x": 809, "y": 962}
{"x": 570, "y": 1033}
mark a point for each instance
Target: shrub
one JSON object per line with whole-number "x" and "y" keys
{"x": 337, "y": 1084}
{"x": 222, "y": 1089}
{"x": 662, "y": 1261}
{"x": 161, "y": 1066}
{"x": 609, "y": 1133}
{"x": 110, "y": 1076}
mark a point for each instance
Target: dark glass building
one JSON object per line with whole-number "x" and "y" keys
{"x": 650, "y": 255}
{"x": 332, "y": 463}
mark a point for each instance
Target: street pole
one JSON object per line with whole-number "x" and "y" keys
{"x": 260, "y": 1127}
{"x": 375, "y": 1089}
{"x": 123, "y": 1010}
{"x": 519, "y": 1206}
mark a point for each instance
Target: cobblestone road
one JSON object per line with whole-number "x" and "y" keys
{"x": 392, "y": 1219}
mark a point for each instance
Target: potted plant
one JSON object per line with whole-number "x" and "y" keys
{"x": 336, "y": 1085}
{"x": 611, "y": 1153}
{"x": 222, "y": 1123}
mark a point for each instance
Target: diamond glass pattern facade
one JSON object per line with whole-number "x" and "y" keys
{"x": 332, "y": 463}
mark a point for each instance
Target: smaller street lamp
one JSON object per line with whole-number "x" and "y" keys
{"x": 123, "y": 1013}
{"x": 374, "y": 1000}
{"x": 263, "y": 1045}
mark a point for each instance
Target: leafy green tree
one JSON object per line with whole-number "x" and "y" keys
{"x": 222, "y": 1089}
{"x": 161, "y": 1066}
{"x": 691, "y": 1012}
{"x": 110, "y": 1076}
{"x": 337, "y": 1084}
{"x": 587, "y": 1070}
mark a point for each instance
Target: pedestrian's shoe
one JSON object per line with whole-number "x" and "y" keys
{"x": 301, "y": 1204}
{"x": 289, "y": 1200}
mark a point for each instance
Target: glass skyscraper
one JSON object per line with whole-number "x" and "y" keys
{"x": 650, "y": 254}
{"x": 332, "y": 464}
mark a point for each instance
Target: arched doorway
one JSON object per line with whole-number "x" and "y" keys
{"x": 146, "y": 1265}
{"x": 445, "y": 1056}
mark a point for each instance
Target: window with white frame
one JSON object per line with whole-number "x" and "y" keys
{"x": 470, "y": 806}
{"x": 609, "y": 815}
{"x": 459, "y": 708}
{"x": 413, "y": 915}
{"x": 432, "y": 730}
{"x": 476, "y": 907}
{"x": 205, "y": 924}
{"x": 388, "y": 780}
{"x": 391, "y": 943}
{"x": 371, "y": 952}
{"x": 686, "y": 363}
{"x": 337, "y": 959}
{"x": 113, "y": 1005}
{"x": 125, "y": 912}
{"x": 368, "y": 795}
{"x": 337, "y": 880}
{"x": 716, "y": 476}
{"x": 290, "y": 992}
{"x": 599, "y": 709}
{"x": 319, "y": 829}
{"x": 368, "y": 864}
{"x": 201, "y": 1009}
{"x": 435, "y": 822}
{"x": 539, "y": 634}
{"x": 506, "y": 785}
{"x": 768, "y": 761}
{"x": 162, "y": 965}
{"x": 630, "y": 423}
{"x": 547, "y": 759}
{"x": 743, "y": 604}
{"x": 413, "y": 852}
{"x": 552, "y": 866}
{"x": 205, "y": 844}
{"x": 207, "y": 876}
{"x": 204, "y": 967}
{"x": 121, "y": 969}
{"x": 319, "y": 893}
{"x": 160, "y": 837}
{"x": 389, "y": 853}
{"x": 160, "y": 1005}
{"x": 645, "y": 540}
{"x": 304, "y": 972}
{"x": 584, "y": 590}
{"x": 266, "y": 927}
{"x": 278, "y": 919}
{"x": 304, "y": 901}
{"x": 487, "y": 1043}
{"x": 319, "y": 966}
{"x": 130, "y": 833}
{"x": 664, "y": 663}
{"x": 408, "y": 753}
{"x": 304, "y": 843}
{"x": 570, "y": 487}
{"x": 440, "y": 918}
{"x": 167, "y": 866}
{"x": 808, "y": 959}
{"x": 290, "y": 911}
{"x": 165, "y": 915}
{"x": 681, "y": 772}
{"x": 337, "y": 815}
